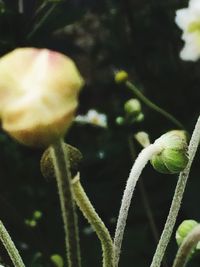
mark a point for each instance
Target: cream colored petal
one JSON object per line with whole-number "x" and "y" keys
{"x": 191, "y": 50}
{"x": 184, "y": 17}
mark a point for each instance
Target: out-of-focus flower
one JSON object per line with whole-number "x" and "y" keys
{"x": 188, "y": 19}
{"x": 39, "y": 95}
{"x": 93, "y": 117}
{"x": 121, "y": 76}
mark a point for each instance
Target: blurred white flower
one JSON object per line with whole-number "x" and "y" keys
{"x": 93, "y": 117}
{"x": 188, "y": 19}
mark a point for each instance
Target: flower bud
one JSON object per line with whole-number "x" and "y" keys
{"x": 57, "y": 260}
{"x": 132, "y": 107}
{"x": 184, "y": 229}
{"x": 173, "y": 158}
{"x": 121, "y": 76}
{"x": 46, "y": 162}
{"x": 142, "y": 138}
{"x": 39, "y": 91}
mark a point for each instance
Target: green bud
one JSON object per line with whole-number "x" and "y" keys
{"x": 132, "y": 107}
{"x": 46, "y": 163}
{"x": 31, "y": 223}
{"x": 140, "y": 117}
{"x": 37, "y": 214}
{"x": 173, "y": 158}
{"x": 119, "y": 121}
{"x": 57, "y": 260}
{"x": 184, "y": 229}
{"x": 121, "y": 76}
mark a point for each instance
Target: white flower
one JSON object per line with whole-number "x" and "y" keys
{"x": 188, "y": 19}
{"x": 93, "y": 117}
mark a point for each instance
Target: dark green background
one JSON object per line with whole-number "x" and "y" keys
{"x": 141, "y": 37}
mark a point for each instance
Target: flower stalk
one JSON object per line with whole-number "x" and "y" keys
{"x": 99, "y": 227}
{"x": 10, "y": 247}
{"x": 144, "y": 156}
{"x": 152, "y": 105}
{"x": 176, "y": 202}
{"x": 63, "y": 177}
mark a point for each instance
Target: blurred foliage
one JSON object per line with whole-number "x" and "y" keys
{"x": 141, "y": 37}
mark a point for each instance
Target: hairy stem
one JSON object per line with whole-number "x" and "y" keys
{"x": 153, "y": 106}
{"x": 63, "y": 177}
{"x": 144, "y": 156}
{"x": 176, "y": 202}
{"x": 184, "y": 252}
{"x": 10, "y": 247}
{"x": 144, "y": 196}
{"x": 90, "y": 214}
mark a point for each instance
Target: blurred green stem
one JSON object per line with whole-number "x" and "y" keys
{"x": 41, "y": 21}
{"x": 153, "y": 106}
{"x": 63, "y": 177}
{"x": 184, "y": 252}
{"x": 176, "y": 202}
{"x": 21, "y": 6}
{"x": 90, "y": 214}
{"x": 10, "y": 247}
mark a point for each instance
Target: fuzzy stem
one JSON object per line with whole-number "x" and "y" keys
{"x": 184, "y": 252}
{"x": 142, "y": 159}
{"x": 153, "y": 106}
{"x": 10, "y": 247}
{"x": 176, "y": 202}
{"x": 90, "y": 214}
{"x": 63, "y": 177}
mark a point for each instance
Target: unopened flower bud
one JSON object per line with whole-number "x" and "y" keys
{"x": 173, "y": 158}
{"x": 184, "y": 229}
{"x": 46, "y": 162}
{"x": 121, "y": 76}
{"x": 39, "y": 95}
{"x": 120, "y": 121}
{"x": 132, "y": 107}
{"x": 142, "y": 138}
{"x": 57, "y": 260}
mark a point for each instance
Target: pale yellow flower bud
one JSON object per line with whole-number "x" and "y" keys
{"x": 39, "y": 95}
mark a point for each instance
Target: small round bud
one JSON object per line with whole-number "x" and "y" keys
{"x": 184, "y": 229}
{"x": 132, "y": 107}
{"x": 37, "y": 215}
{"x": 57, "y": 260}
{"x": 46, "y": 162}
{"x": 173, "y": 158}
{"x": 39, "y": 95}
{"x": 121, "y": 76}
{"x": 140, "y": 117}
{"x": 142, "y": 138}
{"x": 120, "y": 121}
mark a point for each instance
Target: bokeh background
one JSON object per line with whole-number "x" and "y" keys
{"x": 141, "y": 37}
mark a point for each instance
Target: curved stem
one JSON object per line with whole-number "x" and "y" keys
{"x": 144, "y": 196}
{"x": 90, "y": 214}
{"x": 176, "y": 202}
{"x": 144, "y": 156}
{"x": 63, "y": 177}
{"x": 10, "y": 247}
{"x": 184, "y": 252}
{"x": 153, "y": 106}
